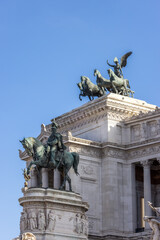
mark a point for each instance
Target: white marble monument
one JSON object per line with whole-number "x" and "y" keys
{"x": 118, "y": 140}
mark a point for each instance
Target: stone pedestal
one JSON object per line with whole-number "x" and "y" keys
{"x": 52, "y": 214}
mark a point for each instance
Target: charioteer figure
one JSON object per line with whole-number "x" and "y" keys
{"x": 55, "y": 145}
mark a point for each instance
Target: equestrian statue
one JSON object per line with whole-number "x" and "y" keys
{"x": 52, "y": 155}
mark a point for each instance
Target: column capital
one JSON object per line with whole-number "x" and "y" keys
{"x": 158, "y": 160}
{"x": 146, "y": 163}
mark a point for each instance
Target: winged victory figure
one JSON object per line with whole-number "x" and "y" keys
{"x": 118, "y": 66}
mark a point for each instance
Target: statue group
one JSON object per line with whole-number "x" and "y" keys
{"x": 52, "y": 155}
{"x": 116, "y": 84}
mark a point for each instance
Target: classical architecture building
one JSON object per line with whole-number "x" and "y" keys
{"x": 118, "y": 140}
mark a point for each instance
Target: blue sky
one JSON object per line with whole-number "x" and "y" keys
{"x": 45, "y": 46}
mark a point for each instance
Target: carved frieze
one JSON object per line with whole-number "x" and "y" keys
{"x": 144, "y": 151}
{"x": 51, "y": 220}
{"x": 84, "y": 150}
{"x": 41, "y": 220}
{"x": 23, "y": 221}
{"x": 114, "y": 152}
{"x": 32, "y": 220}
{"x": 80, "y": 223}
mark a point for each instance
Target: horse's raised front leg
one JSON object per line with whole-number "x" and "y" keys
{"x": 80, "y": 97}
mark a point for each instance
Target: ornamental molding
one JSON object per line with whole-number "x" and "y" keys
{"x": 144, "y": 116}
{"x": 86, "y": 151}
{"x": 114, "y": 153}
{"x": 111, "y": 106}
{"x": 144, "y": 151}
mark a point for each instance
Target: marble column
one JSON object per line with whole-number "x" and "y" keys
{"x": 44, "y": 178}
{"x": 56, "y": 179}
{"x": 147, "y": 188}
{"x": 34, "y": 181}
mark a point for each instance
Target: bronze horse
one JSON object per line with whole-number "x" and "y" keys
{"x": 89, "y": 89}
{"x": 37, "y": 150}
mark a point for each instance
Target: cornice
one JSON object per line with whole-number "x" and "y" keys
{"x": 98, "y": 150}
{"x": 112, "y": 106}
{"x": 142, "y": 116}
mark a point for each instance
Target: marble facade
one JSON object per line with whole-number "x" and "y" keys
{"x": 118, "y": 140}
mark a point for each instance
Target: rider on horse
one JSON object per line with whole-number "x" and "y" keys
{"x": 55, "y": 144}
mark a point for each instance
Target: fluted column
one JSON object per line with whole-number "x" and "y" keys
{"x": 56, "y": 179}
{"x": 147, "y": 188}
{"x": 44, "y": 177}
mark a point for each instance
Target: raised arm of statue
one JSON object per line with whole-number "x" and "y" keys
{"x": 153, "y": 208}
{"x": 110, "y": 64}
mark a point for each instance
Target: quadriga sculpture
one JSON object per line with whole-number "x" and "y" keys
{"x": 89, "y": 89}
{"x": 53, "y": 155}
{"x": 116, "y": 84}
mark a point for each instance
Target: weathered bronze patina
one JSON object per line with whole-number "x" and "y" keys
{"x": 53, "y": 155}
{"x": 116, "y": 82}
{"x": 89, "y": 89}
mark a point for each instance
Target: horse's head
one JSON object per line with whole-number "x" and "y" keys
{"x": 80, "y": 86}
{"x": 95, "y": 72}
{"x": 83, "y": 79}
{"x": 28, "y": 145}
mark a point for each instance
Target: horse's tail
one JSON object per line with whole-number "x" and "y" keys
{"x": 75, "y": 162}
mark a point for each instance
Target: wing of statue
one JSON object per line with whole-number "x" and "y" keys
{"x": 124, "y": 59}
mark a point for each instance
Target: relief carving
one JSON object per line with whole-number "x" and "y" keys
{"x": 88, "y": 170}
{"x": 80, "y": 222}
{"x": 88, "y": 151}
{"x": 143, "y": 152}
{"x": 115, "y": 153}
{"x": 23, "y": 221}
{"x": 32, "y": 220}
{"x": 41, "y": 220}
{"x": 52, "y": 219}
